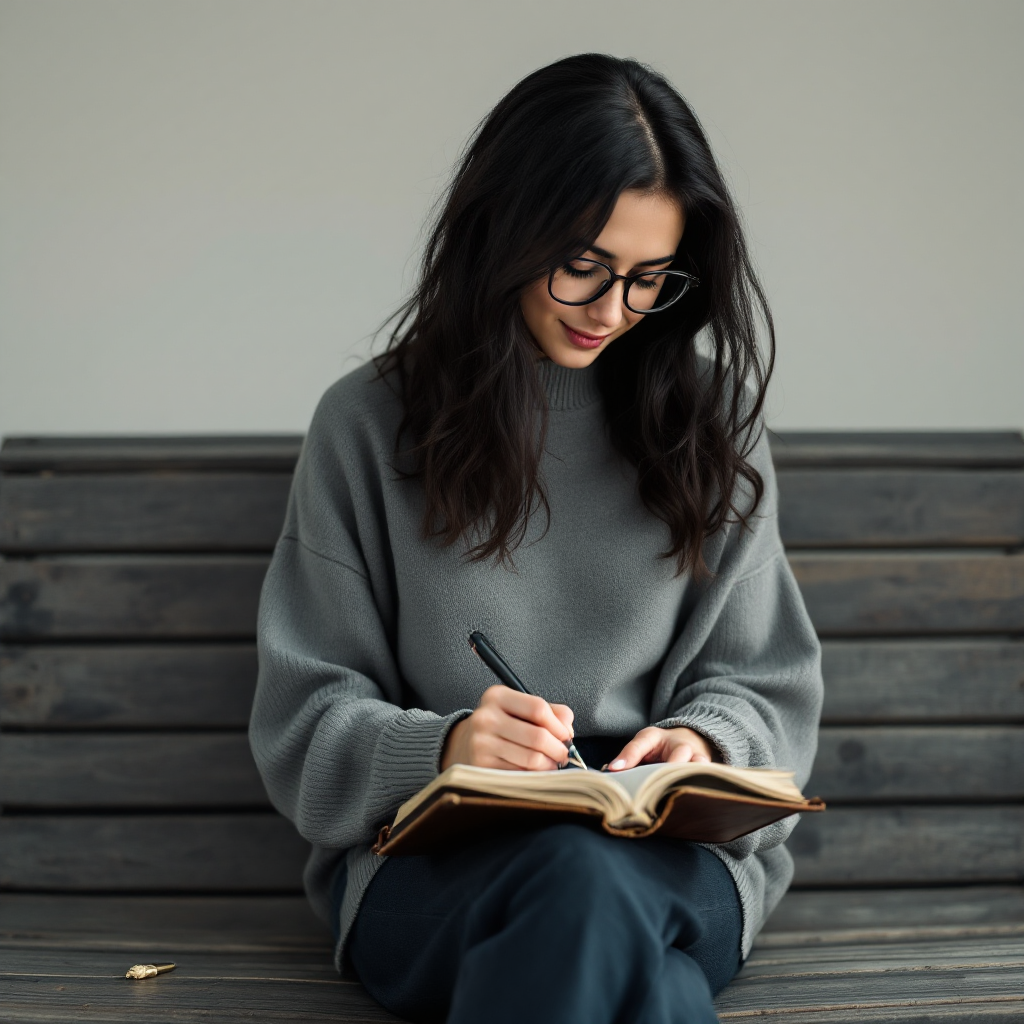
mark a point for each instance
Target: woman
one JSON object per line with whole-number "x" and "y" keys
{"x": 543, "y": 455}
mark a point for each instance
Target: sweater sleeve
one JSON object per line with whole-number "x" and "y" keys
{"x": 337, "y": 751}
{"x": 753, "y": 686}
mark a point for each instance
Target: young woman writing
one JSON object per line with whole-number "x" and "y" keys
{"x": 543, "y": 455}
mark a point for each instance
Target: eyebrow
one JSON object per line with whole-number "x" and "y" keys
{"x": 643, "y": 263}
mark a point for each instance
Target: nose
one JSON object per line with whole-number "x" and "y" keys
{"x": 607, "y": 310}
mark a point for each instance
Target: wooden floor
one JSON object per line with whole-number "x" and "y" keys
{"x": 875, "y": 955}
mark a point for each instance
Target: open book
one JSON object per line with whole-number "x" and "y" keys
{"x": 709, "y": 803}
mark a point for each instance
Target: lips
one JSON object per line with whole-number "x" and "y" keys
{"x": 583, "y": 340}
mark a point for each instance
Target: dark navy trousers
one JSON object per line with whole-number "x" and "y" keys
{"x": 565, "y": 925}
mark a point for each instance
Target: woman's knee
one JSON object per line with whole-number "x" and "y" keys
{"x": 571, "y": 865}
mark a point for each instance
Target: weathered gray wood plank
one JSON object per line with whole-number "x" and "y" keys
{"x": 76, "y": 686}
{"x": 865, "y": 448}
{"x": 239, "y": 924}
{"x": 142, "y": 512}
{"x": 910, "y": 846}
{"x": 910, "y": 763}
{"x": 123, "y": 596}
{"x": 903, "y": 980}
{"x": 230, "y": 853}
{"x": 789, "y": 448}
{"x": 215, "y": 596}
{"x": 926, "y": 593}
{"x": 946, "y": 981}
{"x": 923, "y": 681}
{"x": 161, "y": 853}
{"x": 210, "y": 769}
{"x": 202, "y": 511}
{"x": 90, "y": 986}
{"x": 901, "y": 508}
{"x": 124, "y": 770}
{"x": 211, "y": 685}
{"x": 816, "y": 917}
{"x": 279, "y": 923}
{"x": 166, "y": 452}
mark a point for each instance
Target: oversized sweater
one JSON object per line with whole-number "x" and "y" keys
{"x": 364, "y": 664}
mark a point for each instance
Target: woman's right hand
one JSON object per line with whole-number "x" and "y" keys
{"x": 511, "y": 730}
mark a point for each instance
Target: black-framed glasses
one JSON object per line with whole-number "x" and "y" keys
{"x": 580, "y": 281}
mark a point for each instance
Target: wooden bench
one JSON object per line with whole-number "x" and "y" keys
{"x": 135, "y": 828}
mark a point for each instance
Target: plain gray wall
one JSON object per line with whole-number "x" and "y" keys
{"x": 206, "y": 206}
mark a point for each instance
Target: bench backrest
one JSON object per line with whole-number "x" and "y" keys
{"x": 129, "y": 579}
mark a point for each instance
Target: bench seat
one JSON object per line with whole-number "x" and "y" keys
{"x": 874, "y": 955}
{"x": 135, "y": 827}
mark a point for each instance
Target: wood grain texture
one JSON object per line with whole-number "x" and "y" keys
{"x": 219, "y": 511}
{"x": 126, "y": 770}
{"x": 136, "y": 512}
{"x": 218, "y": 853}
{"x": 923, "y": 681}
{"x": 211, "y": 685}
{"x": 90, "y": 986}
{"x": 76, "y": 686}
{"x": 910, "y": 846}
{"x": 215, "y": 596}
{"x": 912, "y": 763}
{"x": 926, "y": 593}
{"x": 283, "y": 923}
{"x": 841, "y": 917}
{"x": 904, "y": 448}
{"x": 945, "y": 981}
{"x": 901, "y": 508}
{"x": 210, "y": 769}
{"x": 238, "y": 924}
{"x": 817, "y": 986}
{"x": 123, "y": 596}
{"x": 789, "y": 448}
{"x": 277, "y": 452}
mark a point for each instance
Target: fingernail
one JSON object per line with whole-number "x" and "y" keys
{"x": 617, "y": 764}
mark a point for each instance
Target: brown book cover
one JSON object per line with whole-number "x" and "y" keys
{"x": 705, "y": 804}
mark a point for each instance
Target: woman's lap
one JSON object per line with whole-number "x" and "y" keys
{"x": 560, "y": 923}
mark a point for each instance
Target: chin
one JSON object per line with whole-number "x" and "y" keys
{"x": 573, "y": 358}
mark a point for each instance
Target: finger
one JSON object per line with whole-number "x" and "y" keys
{"x": 680, "y": 753}
{"x": 533, "y": 737}
{"x": 565, "y": 715}
{"x": 530, "y": 709}
{"x": 519, "y": 757}
{"x": 640, "y": 746}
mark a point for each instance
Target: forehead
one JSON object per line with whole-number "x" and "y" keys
{"x": 642, "y": 226}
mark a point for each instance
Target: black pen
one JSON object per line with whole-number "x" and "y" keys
{"x": 484, "y": 650}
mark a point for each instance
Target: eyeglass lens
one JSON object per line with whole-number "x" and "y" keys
{"x": 581, "y": 280}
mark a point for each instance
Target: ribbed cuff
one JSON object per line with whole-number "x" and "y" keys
{"x": 408, "y": 755}
{"x": 730, "y": 739}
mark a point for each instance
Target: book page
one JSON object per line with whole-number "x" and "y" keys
{"x": 629, "y": 796}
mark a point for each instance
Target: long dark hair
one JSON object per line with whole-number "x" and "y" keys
{"x": 535, "y": 186}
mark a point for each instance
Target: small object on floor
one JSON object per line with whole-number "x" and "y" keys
{"x": 140, "y": 971}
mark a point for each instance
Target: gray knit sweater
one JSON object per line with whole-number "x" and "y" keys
{"x": 364, "y": 664}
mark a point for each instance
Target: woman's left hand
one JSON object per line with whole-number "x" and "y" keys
{"x": 653, "y": 745}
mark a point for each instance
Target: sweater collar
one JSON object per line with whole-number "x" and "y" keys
{"x": 568, "y": 389}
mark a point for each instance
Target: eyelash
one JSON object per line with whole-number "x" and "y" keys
{"x": 640, "y": 282}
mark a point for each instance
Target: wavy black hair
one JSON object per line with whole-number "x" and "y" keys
{"x": 535, "y": 186}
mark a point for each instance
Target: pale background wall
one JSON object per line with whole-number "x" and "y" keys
{"x": 206, "y": 206}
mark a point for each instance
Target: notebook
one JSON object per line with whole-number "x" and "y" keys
{"x": 701, "y": 802}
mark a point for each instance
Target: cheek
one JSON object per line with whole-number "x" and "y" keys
{"x": 537, "y": 305}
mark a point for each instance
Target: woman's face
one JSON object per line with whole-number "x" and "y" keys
{"x": 642, "y": 233}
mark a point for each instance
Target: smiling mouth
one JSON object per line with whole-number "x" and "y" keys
{"x": 581, "y": 340}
